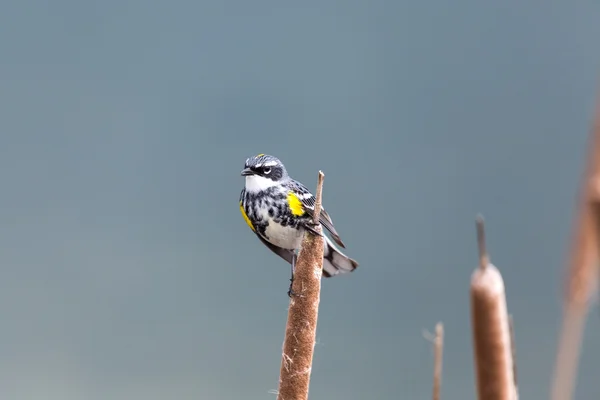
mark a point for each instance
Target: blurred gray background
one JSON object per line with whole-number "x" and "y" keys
{"x": 126, "y": 269}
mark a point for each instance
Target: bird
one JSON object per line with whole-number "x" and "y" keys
{"x": 279, "y": 209}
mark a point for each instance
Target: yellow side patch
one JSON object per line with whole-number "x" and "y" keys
{"x": 260, "y": 155}
{"x": 246, "y": 216}
{"x": 295, "y": 204}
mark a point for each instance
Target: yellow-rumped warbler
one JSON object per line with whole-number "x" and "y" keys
{"x": 279, "y": 209}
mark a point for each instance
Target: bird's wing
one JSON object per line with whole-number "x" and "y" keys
{"x": 287, "y": 255}
{"x": 308, "y": 201}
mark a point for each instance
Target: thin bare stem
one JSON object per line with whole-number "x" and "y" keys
{"x": 318, "y": 198}
{"x": 483, "y": 254}
{"x": 439, "y": 352}
{"x": 301, "y": 327}
{"x": 582, "y": 272}
{"x": 491, "y": 337}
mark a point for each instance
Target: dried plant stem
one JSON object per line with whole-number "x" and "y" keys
{"x": 513, "y": 350}
{"x": 491, "y": 336}
{"x": 300, "y": 331}
{"x": 439, "y": 352}
{"x": 568, "y": 352}
{"x": 484, "y": 259}
{"x": 582, "y": 271}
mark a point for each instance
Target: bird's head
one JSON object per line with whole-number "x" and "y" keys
{"x": 262, "y": 172}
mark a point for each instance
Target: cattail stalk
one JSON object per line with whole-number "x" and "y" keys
{"x": 582, "y": 272}
{"x": 300, "y": 331}
{"x": 513, "y": 350}
{"x": 491, "y": 336}
{"x": 438, "y": 347}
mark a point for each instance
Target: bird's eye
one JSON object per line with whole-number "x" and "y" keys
{"x": 267, "y": 170}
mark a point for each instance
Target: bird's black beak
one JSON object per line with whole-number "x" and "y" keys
{"x": 247, "y": 172}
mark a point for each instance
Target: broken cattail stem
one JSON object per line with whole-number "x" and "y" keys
{"x": 301, "y": 327}
{"x": 491, "y": 337}
{"x": 483, "y": 255}
{"x": 582, "y": 272}
{"x": 318, "y": 198}
{"x": 438, "y": 346}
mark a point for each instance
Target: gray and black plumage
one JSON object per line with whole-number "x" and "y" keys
{"x": 279, "y": 210}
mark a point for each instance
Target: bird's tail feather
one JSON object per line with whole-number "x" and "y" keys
{"x": 334, "y": 261}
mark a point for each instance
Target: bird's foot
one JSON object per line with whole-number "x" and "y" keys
{"x": 312, "y": 228}
{"x": 291, "y": 291}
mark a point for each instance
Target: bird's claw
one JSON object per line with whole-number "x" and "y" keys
{"x": 312, "y": 228}
{"x": 291, "y": 292}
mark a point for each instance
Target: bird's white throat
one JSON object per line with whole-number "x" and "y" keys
{"x": 255, "y": 183}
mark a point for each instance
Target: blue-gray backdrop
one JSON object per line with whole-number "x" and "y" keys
{"x": 126, "y": 269}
